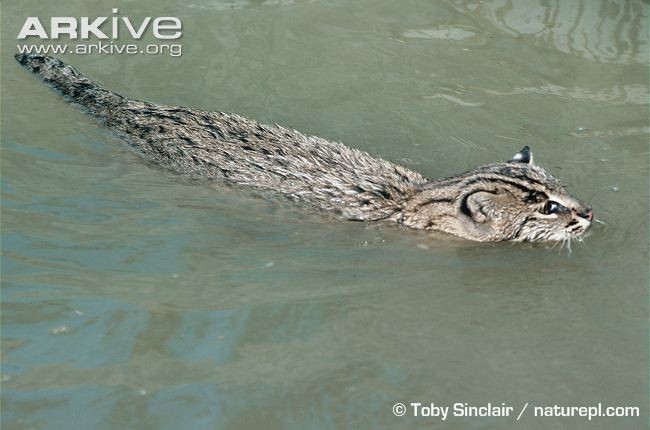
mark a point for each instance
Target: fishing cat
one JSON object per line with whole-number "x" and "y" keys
{"x": 515, "y": 200}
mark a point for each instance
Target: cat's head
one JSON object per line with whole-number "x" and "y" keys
{"x": 518, "y": 200}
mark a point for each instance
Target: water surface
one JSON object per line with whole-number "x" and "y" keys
{"x": 132, "y": 298}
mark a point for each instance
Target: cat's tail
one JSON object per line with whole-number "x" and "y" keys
{"x": 72, "y": 84}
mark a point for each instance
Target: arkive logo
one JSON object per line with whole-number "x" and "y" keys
{"x": 103, "y": 27}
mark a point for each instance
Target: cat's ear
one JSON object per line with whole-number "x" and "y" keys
{"x": 481, "y": 206}
{"x": 524, "y": 156}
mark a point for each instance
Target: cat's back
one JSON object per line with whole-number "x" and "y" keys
{"x": 218, "y": 145}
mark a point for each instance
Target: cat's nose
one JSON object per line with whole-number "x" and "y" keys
{"x": 586, "y": 213}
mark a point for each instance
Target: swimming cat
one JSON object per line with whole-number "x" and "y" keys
{"x": 515, "y": 200}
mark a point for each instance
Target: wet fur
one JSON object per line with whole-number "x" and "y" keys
{"x": 495, "y": 202}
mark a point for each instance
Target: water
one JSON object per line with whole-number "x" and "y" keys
{"x": 134, "y": 299}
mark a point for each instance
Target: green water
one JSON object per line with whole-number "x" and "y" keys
{"x": 134, "y": 299}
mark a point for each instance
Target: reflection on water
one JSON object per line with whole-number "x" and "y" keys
{"x": 608, "y": 31}
{"x": 134, "y": 299}
{"x": 461, "y": 33}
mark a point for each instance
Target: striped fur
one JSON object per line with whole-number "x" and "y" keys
{"x": 503, "y": 201}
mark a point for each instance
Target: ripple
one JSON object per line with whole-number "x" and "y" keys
{"x": 244, "y": 4}
{"x": 459, "y": 33}
{"x": 623, "y": 94}
{"x": 455, "y": 99}
{"x": 585, "y": 133}
{"x": 606, "y": 31}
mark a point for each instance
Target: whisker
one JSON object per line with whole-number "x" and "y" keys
{"x": 583, "y": 243}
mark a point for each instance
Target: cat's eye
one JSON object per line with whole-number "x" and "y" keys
{"x": 551, "y": 207}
